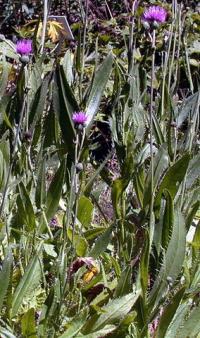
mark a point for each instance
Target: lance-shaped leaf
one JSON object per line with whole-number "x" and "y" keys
{"x": 100, "y": 333}
{"x": 169, "y": 313}
{"x": 112, "y": 313}
{"x": 65, "y": 105}
{"x": 160, "y": 165}
{"x": 40, "y": 194}
{"x": 99, "y": 83}
{"x": 39, "y": 101}
{"x": 74, "y": 327}
{"x": 189, "y": 328}
{"x": 25, "y": 208}
{"x": 54, "y": 192}
{"x": 28, "y": 324}
{"x": 124, "y": 284}
{"x": 101, "y": 243}
{"x": 4, "y": 277}
{"x": 172, "y": 262}
{"x": 173, "y": 178}
{"x": 4, "y": 76}
{"x": 29, "y": 281}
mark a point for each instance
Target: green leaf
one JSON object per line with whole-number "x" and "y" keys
{"x": 173, "y": 260}
{"x": 4, "y": 76}
{"x": 25, "y": 208}
{"x": 98, "y": 171}
{"x": 114, "y": 311}
{"x": 65, "y": 105}
{"x": 99, "y": 83}
{"x": 5, "y": 277}
{"x": 5, "y": 333}
{"x": 50, "y": 250}
{"x": 94, "y": 232}
{"x": 9, "y": 50}
{"x": 124, "y": 284}
{"x": 168, "y": 219}
{"x": 101, "y": 243}
{"x": 39, "y": 101}
{"x": 75, "y": 325}
{"x": 28, "y": 324}
{"x": 160, "y": 165}
{"x": 193, "y": 171}
{"x": 80, "y": 244}
{"x": 68, "y": 66}
{"x": 85, "y": 211}
{"x": 119, "y": 185}
{"x": 190, "y": 328}
{"x": 178, "y": 320}
{"x": 169, "y": 313}
{"x": 173, "y": 178}
{"x": 29, "y": 281}
{"x": 100, "y": 333}
{"x": 54, "y": 192}
{"x": 40, "y": 194}
{"x": 2, "y": 171}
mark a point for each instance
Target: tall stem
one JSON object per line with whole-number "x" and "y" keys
{"x": 44, "y": 26}
{"x": 130, "y": 48}
{"x": 74, "y": 184}
{"x": 151, "y": 124}
{"x": 83, "y": 49}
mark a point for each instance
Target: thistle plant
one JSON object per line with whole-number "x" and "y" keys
{"x": 69, "y": 269}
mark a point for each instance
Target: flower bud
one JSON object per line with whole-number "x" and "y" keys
{"x": 79, "y": 167}
{"x": 24, "y": 59}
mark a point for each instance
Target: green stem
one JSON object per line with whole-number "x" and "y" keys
{"x": 44, "y": 26}
{"x": 83, "y": 49}
{"x": 130, "y": 48}
{"x": 151, "y": 125}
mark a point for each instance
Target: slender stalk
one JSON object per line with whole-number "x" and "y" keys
{"x": 130, "y": 49}
{"x": 47, "y": 225}
{"x": 151, "y": 125}
{"x": 44, "y": 26}
{"x": 74, "y": 183}
{"x": 188, "y": 66}
{"x": 83, "y": 48}
{"x": 178, "y": 46}
{"x": 174, "y": 46}
{"x": 75, "y": 186}
{"x": 166, "y": 61}
{"x": 109, "y": 11}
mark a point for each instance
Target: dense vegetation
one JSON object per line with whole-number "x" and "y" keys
{"x": 99, "y": 170}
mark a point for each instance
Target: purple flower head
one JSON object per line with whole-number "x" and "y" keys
{"x": 53, "y": 222}
{"x": 79, "y": 118}
{"x": 24, "y": 47}
{"x": 155, "y": 14}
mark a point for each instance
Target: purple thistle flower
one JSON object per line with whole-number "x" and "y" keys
{"x": 79, "y": 118}
{"x": 24, "y": 47}
{"x": 155, "y": 14}
{"x": 53, "y": 222}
